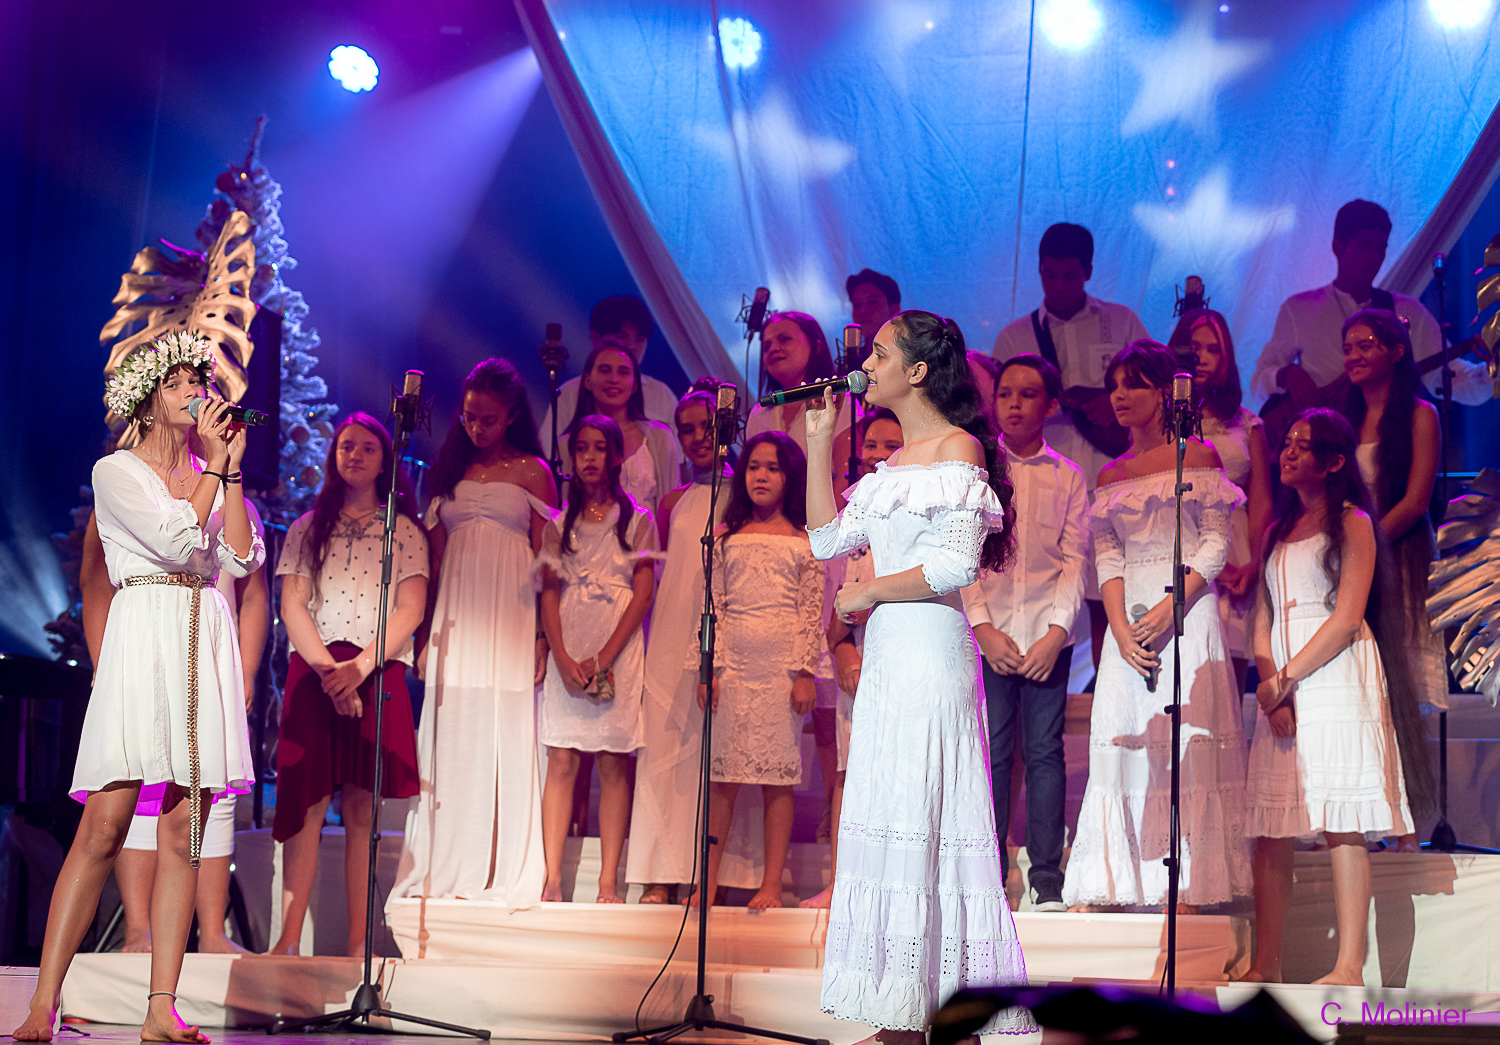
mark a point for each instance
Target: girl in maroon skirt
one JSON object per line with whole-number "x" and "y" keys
{"x": 330, "y": 601}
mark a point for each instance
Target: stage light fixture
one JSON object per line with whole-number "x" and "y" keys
{"x": 354, "y": 69}
{"x": 1070, "y": 25}
{"x": 740, "y": 42}
{"x": 1459, "y": 14}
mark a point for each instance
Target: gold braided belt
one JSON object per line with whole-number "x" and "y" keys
{"x": 195, "y": 769}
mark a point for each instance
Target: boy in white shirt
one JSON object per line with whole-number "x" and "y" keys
{"x": 1026, "y": 621}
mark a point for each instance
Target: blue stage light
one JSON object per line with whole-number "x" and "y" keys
{"x": 1459, "y": 14}
{"x": 1070, "y": 25}
{"x": 353, "y": 68}
{"x": 740, "y": 42}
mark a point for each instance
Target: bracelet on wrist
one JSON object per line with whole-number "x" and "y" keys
{"x": 235, "y": 478}
{"x": 217, "y": 475}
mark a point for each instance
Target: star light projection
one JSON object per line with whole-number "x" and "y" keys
{"x": 773, "y": 129}
{"x": 1182, "y": 75}
{"x": 1207, "y": 226}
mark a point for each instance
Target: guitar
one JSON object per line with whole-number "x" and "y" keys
{"x": 1301, "y": 393}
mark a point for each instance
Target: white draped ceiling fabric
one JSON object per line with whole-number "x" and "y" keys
{"x": 788, "y": 144}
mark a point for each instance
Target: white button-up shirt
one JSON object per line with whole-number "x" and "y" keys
{"x": 1085, "y": 344}
{"x": 1313, "y": 321}
{"x": 1045, "y": 587}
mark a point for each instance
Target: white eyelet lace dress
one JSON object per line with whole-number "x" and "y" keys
{"x": 919, "y": 906}
{"x": 1341, "y": 772}
{"x": 136, "y": 725}
{"x": 1118, "y": 851}
{"x": 768, "y": 590}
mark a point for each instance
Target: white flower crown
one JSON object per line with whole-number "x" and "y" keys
{"x": 137, "y": 375}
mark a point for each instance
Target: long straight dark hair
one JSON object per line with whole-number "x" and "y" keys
{"x": 1333, "y": 436}
{"x": 635, "y": 406}
{"x": 793, "y": 464}
{"x": 950, "y": 387}
{"x": 614, "y": 439}
{"x": 1394, "y": 430}
{"x": 499, "y": 378}
{"x": 330, "y": 500}
{"x": 1224, "y": 397}
{"x": 819, "y": 359}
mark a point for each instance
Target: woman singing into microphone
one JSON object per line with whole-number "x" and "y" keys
{"x": 918, "y": 907}
{"x": 164, "y": 734}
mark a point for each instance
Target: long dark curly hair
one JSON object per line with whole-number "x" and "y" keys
{"x": 614, "y": 439}
{"x": 1332, "y": 436}
{"x": 949, "y": 386}
{"x": 793, "y": 464}
{"x": 330, "y": 500}
{"x": 499, "y": 378}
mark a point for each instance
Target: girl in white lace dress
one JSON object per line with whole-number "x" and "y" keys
{"x": 1325, "y": 763}
{"x": 476, "y": 831}
{"x": 919, "y": 906}
{"x": 596, "y": 578}
{"x": 164, "y": 734}
{"x": 768, "y": 591}
{"x": 1122, "y": 837}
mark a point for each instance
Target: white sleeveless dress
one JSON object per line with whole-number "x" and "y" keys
{"x": 919, "y": 907}
{"x": 1341, "y": 772}
{"x": 476, "y": 743}
{"x": 136, "y": 724}
{"x": 1122, "y": 838}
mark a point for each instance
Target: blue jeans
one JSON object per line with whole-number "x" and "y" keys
{"x": 1038, "y": 707}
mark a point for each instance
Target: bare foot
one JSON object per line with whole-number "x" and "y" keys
{"x": 220, "y": 944}
{"x": 285, "y": 947}
{"x": 1407, "y": 844}
{"x": 766, "y": 898}
{"x": 820, "y": 901}
{"x": 164, "y": 1025}
{"x": 655, "y": 894}
{"x": 1184, "y": 908}
{"x": 552, "y": 893}
{"x": 903, "y": 1037}
{"x": 38, "y": 1024}
{"x": 137, "y": 941}
{"x": 1340, "y": 977}
{"x": 607, "y": 894}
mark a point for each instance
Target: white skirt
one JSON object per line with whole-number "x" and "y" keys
{"x": 136, "y": 724}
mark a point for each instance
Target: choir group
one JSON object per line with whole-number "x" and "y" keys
{"x": 552, "y": 631}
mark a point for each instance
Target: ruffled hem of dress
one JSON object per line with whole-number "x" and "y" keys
{"x": 926, "y": 490}
{"x": 1211, "y": 489}
{"x": 149, "y": 801}
{"x": 1370, "y": 818}
{"x": 857, "y": 1000}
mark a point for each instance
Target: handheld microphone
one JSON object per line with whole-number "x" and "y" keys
{"x": 1136, "y": 613}
{"x": 238, "y": 414}
{"x": 757, "y": 317}
{"x": 854, "y": 382}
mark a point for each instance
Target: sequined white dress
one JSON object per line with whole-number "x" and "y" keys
{"x": 1117, "y": 855}
{"x": 919, "y": 906}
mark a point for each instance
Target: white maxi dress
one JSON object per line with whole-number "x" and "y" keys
{"x": 919, "y": 906}
{"x": 663, "y": 845}
{"x": 1118, "y": 853}
{"x": 476, "y": 831}
{"x": 136, "y": 725}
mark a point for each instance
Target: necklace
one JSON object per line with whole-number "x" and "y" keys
{"x": 596, "y": 512}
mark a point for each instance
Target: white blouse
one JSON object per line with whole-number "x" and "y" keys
{"x": 146, "y": 531}
{"x": 346, "y": 593}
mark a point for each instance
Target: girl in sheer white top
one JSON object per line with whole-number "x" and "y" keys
{"x": 165, "y": 717}
{"x": 919, "y": 906}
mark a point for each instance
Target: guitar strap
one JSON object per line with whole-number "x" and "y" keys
{"x": 1044, "y": 339}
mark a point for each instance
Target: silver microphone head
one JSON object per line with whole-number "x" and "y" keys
{"x": 1138, "y": 611}
{"x": 858, "y": 379}
{"x": 1182, "y": 388}
{"x": 854, "y": 338}
{"x": 413, "y": 385}
{"x": 727, "y": 397}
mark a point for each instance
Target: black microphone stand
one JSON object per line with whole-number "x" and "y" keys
{"x": 366, "y": 1005}
{"x": 1182, "y": 421}
{"x": 553, "y": 356}
{"x": 1444, "y": 839}
{"x": 700, "y": 1010}
{"x": 844, "y": 366}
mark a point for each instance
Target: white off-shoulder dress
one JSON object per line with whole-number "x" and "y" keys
{"x": 919, "y": 906}
{"x": 1341, "y": 772}
{"x": 1122, "y": 838}
{"x": 136, "y": 725}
